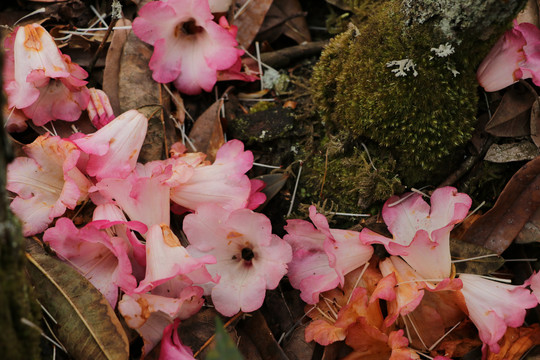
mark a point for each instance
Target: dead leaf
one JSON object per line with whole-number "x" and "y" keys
{"x": 518, "y": 151}
{"x": 250, "y": 19}
{"x": 112, "y": 64}
{"x": 207, "y": 133}
{"x": 518, "y": 201}
{"x": 516, "y": 342}
{"x": 285, "y": 17}
{"x": 535, "y": 123}
{"x": 462, "y": 250}
{"x": 531, "y": 230}
{"x": 512, "y": 116}
{"x": 274, "y": 183}
{"x": 256, "y": 328}
{"x": 87, "y": 325}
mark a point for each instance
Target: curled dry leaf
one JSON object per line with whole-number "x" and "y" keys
{"x": 516, "y": 342}
{"x": 285, "y": 17}
{"x": 87, "y": 325}
{"x": 249, "y": 18}
{"x": 207, "y": 133}
{"x": 512, "y": 116}
{"x": 518, "y": 201}
{"x": 462, "y": 250}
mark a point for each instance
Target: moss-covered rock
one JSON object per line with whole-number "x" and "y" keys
{"x": 406, "y": 85}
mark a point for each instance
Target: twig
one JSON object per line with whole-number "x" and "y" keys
{"x": 102, "y": 45}
{"x": 281, "y": 58}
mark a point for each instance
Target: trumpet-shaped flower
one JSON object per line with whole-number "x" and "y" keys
{"x": 250, "y": 259}
{"x": 99, "y": 108}
{"x": 150, "y": 314}
{"x": 142, "y": 195}
{"x": 421, "y": 235}
{"x": 114, "y": 148}
{"x": 189, "y": 48}
{"x": 493, "y": 306}
{"x": 102, "y": 259}
{"x": 515, "y": 56}
{"x": 166, "y": 258}
{"x": 322, "y": 256}
{"x": 40, "y": 80}
{"x": 47, "y": 182}
{"x": 223, "y": 183}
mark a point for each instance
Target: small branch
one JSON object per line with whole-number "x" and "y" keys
{"x": 281, "y": 58}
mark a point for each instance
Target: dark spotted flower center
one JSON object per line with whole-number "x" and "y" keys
{"x": 189, "y": 27}
{"x": 247, "y": 254}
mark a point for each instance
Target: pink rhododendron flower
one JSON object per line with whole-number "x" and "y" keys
{"x": 515, "y": 56}
{"x": 150, "y": 314}
{"x": 166, "y": 258}
{"x": 493, "y": 306}
{"x": 114, "y": 148}
{"x": 15, "y": 120}
{"x": 102, "y": 259}
{"x": 403, "y": 287}
{"x": 250, "y": 259}
{"x": 223, "y": 183}
{"x": 189, "y": 47}
{"x": 110, "y": 218}
{"x": 421, "y": 235}
{"x": 47, "y": 182}
{"x": 40, "y": 80}
{"x": 322, "y": 256}
{"x": 171, "y": 346}
{"x": 99, "y": 108}
{"x": 143, "y": 195}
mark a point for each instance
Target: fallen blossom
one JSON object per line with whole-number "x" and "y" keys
{"x": 15, "y": 120}
{"x": 322, "y": 256}
{"x": 102, "y": 259}
{"x": 516, "y": 55}
{"x": 370, "y": 344}
{"x": 150, "y": 314}
{"x": 166, "y": 258}
{"x": 250, "y": 259}
{"x": 40, "y": 80}
{"x": 189, "y": 48}
{"x": 223, "y": 183}
{"x": 47, "y": 182}
{"x": 142, "y": 195}
{"x": 114, "y": 148}
{"x": 99, "y": 108}
{"x": 534, "y": 283}
{"x": 171, "y": 346}
{"x": 493, "y": 306}
{"x": 421, "y": 234}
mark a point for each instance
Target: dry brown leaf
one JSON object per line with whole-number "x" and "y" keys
{"x": 535, "y": 123}
{"x": 462, "y": 250}
{"x": 518, "y": 201}
{"x": 285, "y": 17}
{"x": 250, "y": 20}
{"x": 112, "y": 64}
{"x": 207, "y": 133}
{"x": 256, "y": 328}
{"x": 512, "y": 116}
{"x": 516, "y": 342}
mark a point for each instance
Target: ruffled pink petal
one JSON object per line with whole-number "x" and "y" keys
{"x": 143, "y": 198}
{"x": 151, "y": 314}
{"x": 256, "y": 197}
{"x": 167, "y": 258}
{"x": 223, "y": 183}
{"x": 171, "y": 346}
{"x": 493, "y": 306}
{"x": 47, "y": 182}
{"x": 250, "y": 259}
{"x": 534, "y": 283}
{"x": 100, "y": 258}
{"x": 114, "y": 148}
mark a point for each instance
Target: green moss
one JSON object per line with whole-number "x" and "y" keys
{"x": 343, "y": 172}
{"x": 421, "y": 117}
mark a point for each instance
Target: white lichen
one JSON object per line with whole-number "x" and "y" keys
{"x": 443, "y": 50}
{"x": 404, "y": 66}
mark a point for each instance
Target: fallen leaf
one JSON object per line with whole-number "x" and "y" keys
{"x": 531, "y": 230}
{"x": 535, "y": 123}
{"x": 462, "y": 250}
{"x": 225, "y": 348}
{"x": 207, "y": 133}
{"x": 518, "y": 151}
{"x": 285, "y": 17}
{"x": 249, "y": 18}
{"x": 87, "y": 325}
{"x": 274, "y": 183}
{"x": 518, "y": 201}
{"x": 516, "y": 342}
{"x": 512, "y": 116}
{"x": 256, "y": 328}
